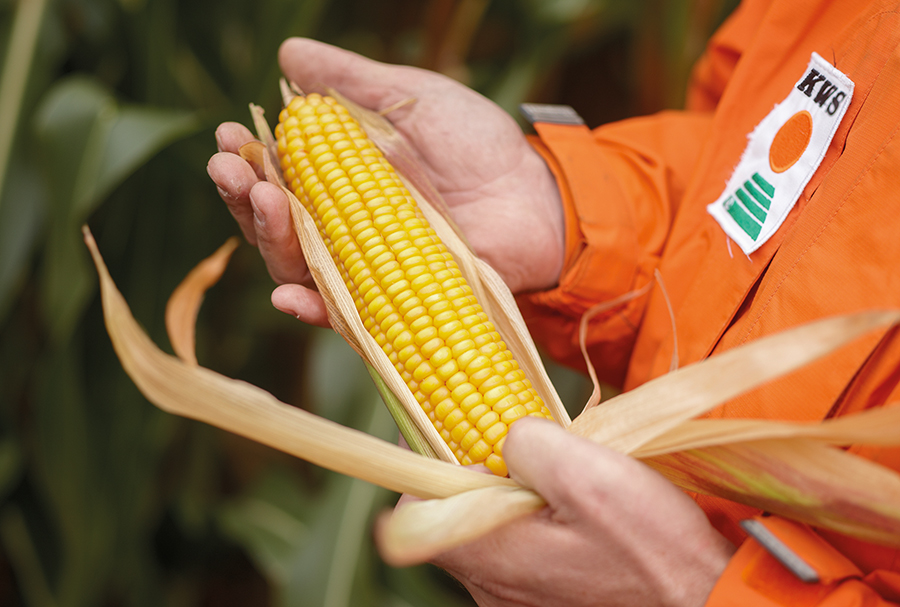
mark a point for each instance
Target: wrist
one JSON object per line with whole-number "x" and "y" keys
{"x": 546, "y": 250}
{"x": 693, "y": 582}
{"x": 552, "y": 202}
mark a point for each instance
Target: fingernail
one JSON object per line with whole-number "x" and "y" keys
{"x": 225, "y": 195}
{"x": 287, "y": 310}
{"x": 258, "y": 215}
{"x": 219, "y": 145}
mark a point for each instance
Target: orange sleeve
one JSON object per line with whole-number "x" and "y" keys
{"x": 754, "y": 578}
{"x": 621, "y": 185}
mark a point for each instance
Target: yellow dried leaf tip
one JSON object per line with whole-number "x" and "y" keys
{"x": 409, "y": 291}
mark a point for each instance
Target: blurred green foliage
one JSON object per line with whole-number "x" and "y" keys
{"x": 107, "y": 112}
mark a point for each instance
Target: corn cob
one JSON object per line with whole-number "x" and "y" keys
{"x": 408, "y": 290}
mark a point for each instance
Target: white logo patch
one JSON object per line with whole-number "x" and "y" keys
{"x": 782, "y": 153}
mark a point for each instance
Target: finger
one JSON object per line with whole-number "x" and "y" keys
{"x": 301, "y": 302}
{"x": 230, "y": 136}
{"x": 374, "y": 85}
{"x": 275, "y": 235}
{"x": 234, "y": 179}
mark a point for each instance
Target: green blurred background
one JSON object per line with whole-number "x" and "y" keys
{"x": 107, "y": 113}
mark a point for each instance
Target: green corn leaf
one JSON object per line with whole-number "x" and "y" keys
{"x": 90, "y": 144}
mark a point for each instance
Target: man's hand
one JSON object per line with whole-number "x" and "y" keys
{"x": 614, "y": 533}
{"x": 501, "y": 194}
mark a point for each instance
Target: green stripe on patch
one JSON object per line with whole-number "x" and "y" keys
{"x": 742, "y": 219}
{"x": 755, "y": 209}
{"x": 766, "y": 187}
{"x": 759, "y": 196}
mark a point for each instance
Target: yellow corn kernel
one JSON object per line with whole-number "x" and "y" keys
{"x": 408, "y": 290}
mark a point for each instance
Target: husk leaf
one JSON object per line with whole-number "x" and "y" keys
{"x": 632, "y": 419}
{"x": 753, "y": 476}
{"x": 418, "y": 531}
{"x": 183, "y": 305}
{"x": 873, "y": 427}
{"x": 236, "y": 406}
{"x": 806, "y": 484}
{"x": 410, "y": 432}
{"x": 803, "y": 480}
{"x": 181, "y": 315}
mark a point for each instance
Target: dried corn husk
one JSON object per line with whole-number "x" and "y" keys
{"x": 185, "y": 389}
{"x": 492, "y": 292}
{"x": 789, "y": 469}
{"x": 183, "y": 305}
{"x": 801, "y": 479}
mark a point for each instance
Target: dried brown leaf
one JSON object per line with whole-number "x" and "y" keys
{"x": 184, "y": 304}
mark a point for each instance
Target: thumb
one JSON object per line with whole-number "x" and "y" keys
{"x": 312, "y": 64}
{"x": 560, "y": 466}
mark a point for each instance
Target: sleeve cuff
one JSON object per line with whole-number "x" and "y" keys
{"x": 755, "y": 578}
{"x": 602, "y": 250}
{"x": 601, "y": 260}
{"x": 574, "y": 239}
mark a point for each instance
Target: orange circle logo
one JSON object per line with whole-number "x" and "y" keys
{"x": 790, "y": 142}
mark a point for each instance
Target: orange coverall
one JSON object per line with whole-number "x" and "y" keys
{"x": 635, "y": 195}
